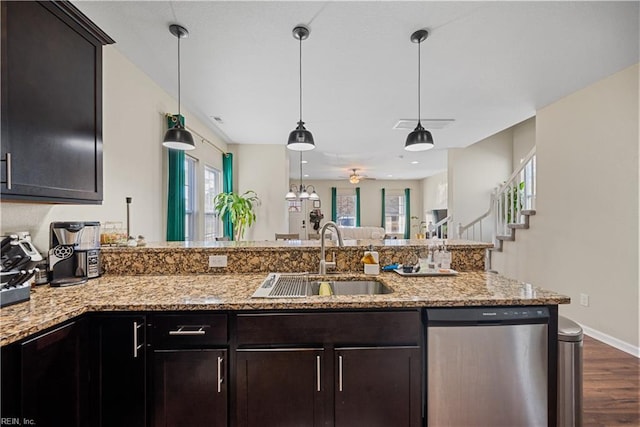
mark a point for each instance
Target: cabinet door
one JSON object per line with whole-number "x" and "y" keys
{"x": 51, "y": 103}
{"x": 280, "y": 387}
{"x": 190, "y": 388}
{"x": 120, "y": 363}
{"x": 378, "y": 387}
{"x": 54, "y": 377}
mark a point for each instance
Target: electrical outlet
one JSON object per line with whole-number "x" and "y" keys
{"x": 217, "y": 260}
{"x": 584, "y": 300}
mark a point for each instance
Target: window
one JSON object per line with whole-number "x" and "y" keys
{"x": 212, "y": 226}
{"x": 346, "y": 204}
{"x": 190, "y": 200}
{"x": 394, "y": 213}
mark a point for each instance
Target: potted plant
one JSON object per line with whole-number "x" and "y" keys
{"x": 419, "y": 227}
{"x": 239, "y": 207}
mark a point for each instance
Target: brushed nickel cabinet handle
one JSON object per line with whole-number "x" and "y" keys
{"x": 7, "y": 160}
{"x": 318, "y": 373}
{"x": 182, "y": 331}
{"x": 136, "y": 346}
{"x": 340, "y": 373}
{"x": 219, "y": 374}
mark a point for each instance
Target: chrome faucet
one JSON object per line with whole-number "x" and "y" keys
{"x": 323, "y": 262}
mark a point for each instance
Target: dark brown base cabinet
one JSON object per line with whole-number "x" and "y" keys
{"x": 280, "y": 387}
{"x": 119, "y": 366}
{"x": 378, "y": 387}
{"x": 54, "y": 377}
{"x": 190, "y": 388}
{"x": 342, "y": 369}
{"x": 316, "y": 368}
{"x": 189, "y": 370}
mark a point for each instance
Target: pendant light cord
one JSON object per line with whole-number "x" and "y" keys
{"x": 301, "y": 83}
{"x": 419, "y": 43}
{"x": 178, "y": 79}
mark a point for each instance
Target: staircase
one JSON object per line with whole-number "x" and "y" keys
{"x": 511, "y": 206}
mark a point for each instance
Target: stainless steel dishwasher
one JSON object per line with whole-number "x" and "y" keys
{"x": 487, "y": 366}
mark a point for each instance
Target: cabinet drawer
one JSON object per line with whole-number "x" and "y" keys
{"x": 188, "y": 330}
{"x": 351, "y": 328}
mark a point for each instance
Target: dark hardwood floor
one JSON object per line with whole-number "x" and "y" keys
{"x": 611, "y": 386}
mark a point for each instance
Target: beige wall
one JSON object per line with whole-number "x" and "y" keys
{"x": 265, "y": 170}
{"x": 584, "y": 237}
{"x": 434, "y": 194}
{"x": 474, "y": 172}
{"x": 134, "y": 159}
{"x": 524, "y": 140}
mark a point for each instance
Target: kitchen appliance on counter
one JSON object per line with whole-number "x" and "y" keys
{"x": 18, "y": 259}
{"x": 494, "y": 362}
{"x": 74, "y": 252}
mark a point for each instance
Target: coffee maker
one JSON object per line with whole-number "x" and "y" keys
{"x": 74, "y": 254}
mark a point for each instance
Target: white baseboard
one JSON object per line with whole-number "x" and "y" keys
{"x": 613, "y": 342}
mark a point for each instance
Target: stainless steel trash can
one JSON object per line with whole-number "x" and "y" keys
{"x": 569, "y": 373}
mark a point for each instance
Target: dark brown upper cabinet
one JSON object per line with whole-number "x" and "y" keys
{"x": 51, "y": 103}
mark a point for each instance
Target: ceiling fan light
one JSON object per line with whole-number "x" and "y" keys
{"x": 354, "y": 179}
{"x": 300, "y": 139}
{"x": 419, "y": 140}
{"x": 178, "y": 138}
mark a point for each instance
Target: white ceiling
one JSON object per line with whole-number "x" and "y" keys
{"x": 488, "y": 65}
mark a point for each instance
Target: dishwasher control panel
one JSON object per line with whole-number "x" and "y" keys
{"x": 488, "y": 314}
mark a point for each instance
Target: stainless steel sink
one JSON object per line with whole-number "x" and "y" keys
{"x": 352, "y": 287}
{"x": 292, "y": 285}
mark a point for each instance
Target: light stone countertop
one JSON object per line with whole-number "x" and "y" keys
{"x": 51, "y": 306}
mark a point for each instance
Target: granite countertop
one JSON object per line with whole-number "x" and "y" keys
{"x": 50, "y": 306}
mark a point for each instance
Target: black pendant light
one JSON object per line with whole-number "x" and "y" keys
{"x": 300, "y": 139}
{"x": 420, "y": 139}
{"x": 178, "y": 137}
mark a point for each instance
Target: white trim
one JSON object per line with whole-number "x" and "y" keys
{"x": 614, "y": 342}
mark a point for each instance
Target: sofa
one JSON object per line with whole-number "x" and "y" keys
{"x": 359, "y": 233}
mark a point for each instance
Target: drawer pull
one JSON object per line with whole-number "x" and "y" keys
{"x": 182, "y": 331}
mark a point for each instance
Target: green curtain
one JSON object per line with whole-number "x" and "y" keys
{"x": 227, "y": 187}
{"x": 383, "y": 217}
{"x": 334, "y": 204}
{"x": 175, "y": 194}
{"x": 357, "y": 206}
{"x": 407, "y": 213}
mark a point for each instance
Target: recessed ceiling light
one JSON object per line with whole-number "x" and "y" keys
{"x": 415, "y": 162}
{"x": 306, "y": 175}
{"x": 304, "y": 162}
{"x": 389, "y": 176}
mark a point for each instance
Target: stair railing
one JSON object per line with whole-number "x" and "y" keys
{"x": 474, "y": 230}
{"x": 508, "y": 201}
{"x": 516, "y": 195}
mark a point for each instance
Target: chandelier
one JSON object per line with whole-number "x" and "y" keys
{"x": 301, "y": 192}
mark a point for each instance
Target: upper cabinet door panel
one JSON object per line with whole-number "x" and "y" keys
{"x": 51, "y": 105}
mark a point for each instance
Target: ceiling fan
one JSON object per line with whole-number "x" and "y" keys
{"x": 355, "y": 177}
